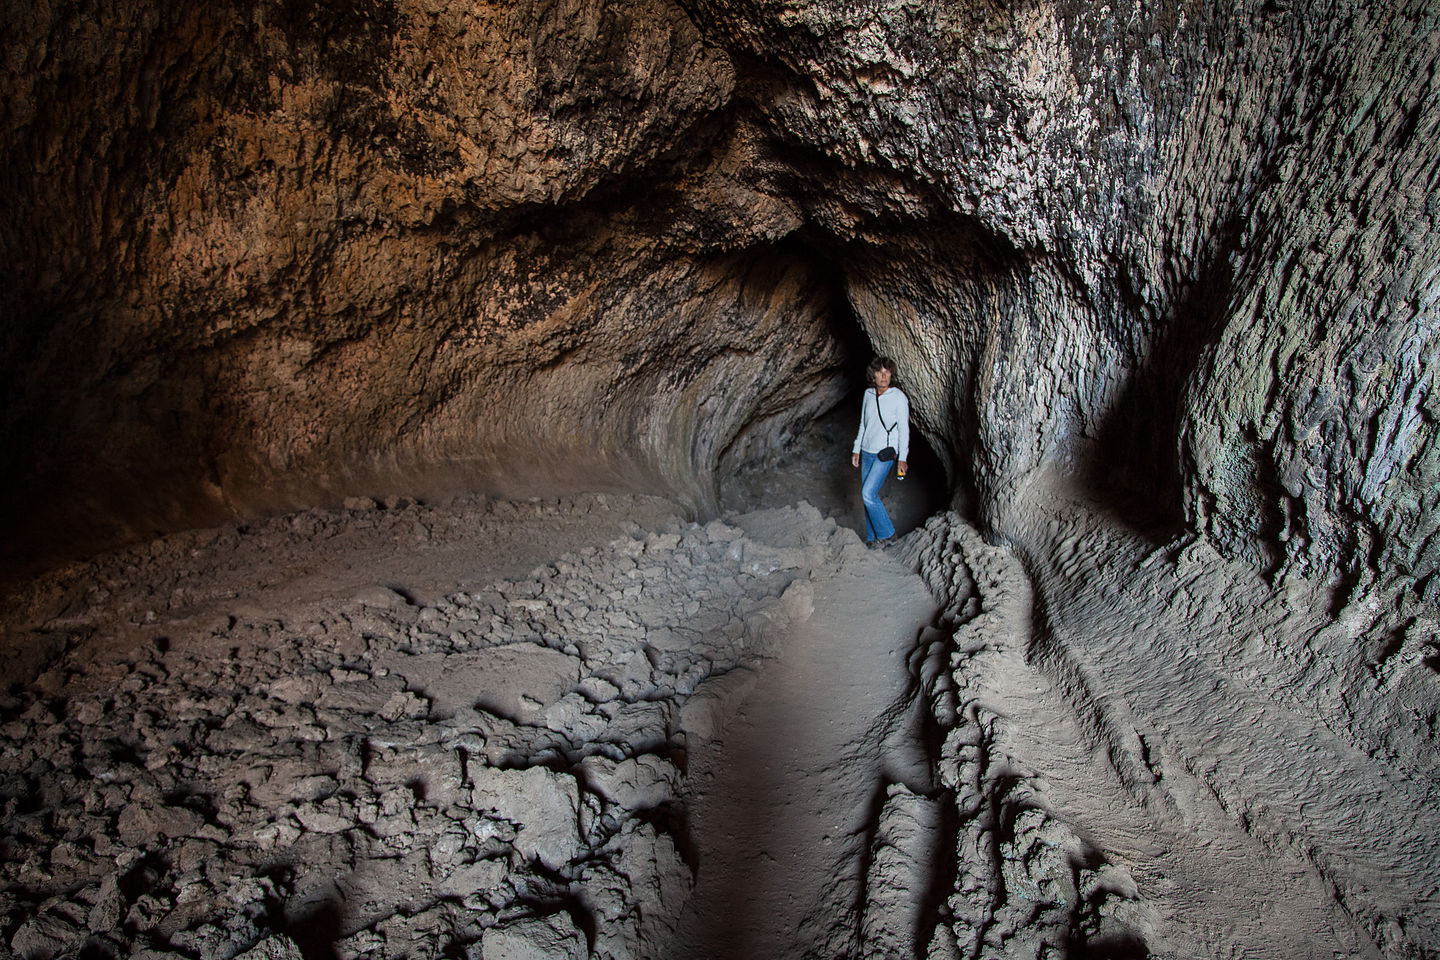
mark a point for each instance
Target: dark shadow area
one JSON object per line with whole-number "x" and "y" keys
{"x": 1135, "y": 470}
{"x": 722, "y": 913}
{"x": 95, "y": 948}
{"x": 1118, "y": 947}
{"x": 316, "y": 928}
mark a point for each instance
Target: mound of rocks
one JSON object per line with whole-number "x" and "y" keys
{"x": 491, "y": 775}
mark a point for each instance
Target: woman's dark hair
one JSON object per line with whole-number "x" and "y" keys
{"x": 878, "y": 364}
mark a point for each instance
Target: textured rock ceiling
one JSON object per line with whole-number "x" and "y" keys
{"x": 1177, "y": 255}
{"x": 1162, "y": 284}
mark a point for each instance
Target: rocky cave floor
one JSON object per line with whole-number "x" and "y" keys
{"x": 591, "y": 727}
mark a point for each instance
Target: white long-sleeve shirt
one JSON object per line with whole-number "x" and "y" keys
{"x": 895, "y": 408}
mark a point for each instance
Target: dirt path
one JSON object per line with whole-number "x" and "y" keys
{"x": 785, "y": 795}
{"x": 369, "y": 734}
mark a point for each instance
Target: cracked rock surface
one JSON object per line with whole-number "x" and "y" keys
{"x": 501, "y": 769}
{"x": 395, "y": 774}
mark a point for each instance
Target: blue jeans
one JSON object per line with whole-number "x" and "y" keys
{"x": 873, "y": 473}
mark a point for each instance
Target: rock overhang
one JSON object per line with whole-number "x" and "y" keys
{"x": 452, "y": 246}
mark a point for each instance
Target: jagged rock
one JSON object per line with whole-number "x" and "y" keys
{"x": 330, "y": 816}
{"x": 367, "y": 694}
{"x": 45, "y": 936}
{"x": 654, "y": 883}
{"x": 543, "y": 806}
{"x": 469, "y": 880}
{"x": 639, "y": 783}
{"x": 142, "y": 824}
{"x": 107, "y": 906}
{"x": 300, "y": 690}
{"x": 551, "y": 938}
{"x": 284, "y": 780}
{"x": 274, "y": 947}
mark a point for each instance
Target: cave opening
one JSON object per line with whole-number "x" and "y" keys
{"x": 419, "y": 367}
{"x": 813, "y": 464}
{"x": 816, "y": 468}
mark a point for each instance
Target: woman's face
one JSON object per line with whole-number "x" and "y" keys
{"x": 882, "y": 379}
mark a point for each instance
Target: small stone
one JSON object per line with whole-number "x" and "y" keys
{"x": 323, "y": 819}
{"x": 404, "y": 705}
{"x": 297, "y": 690}
{"x": 274, "y": 947}
{"x": 552, "y": 938}
{"x": 798, "y": 600}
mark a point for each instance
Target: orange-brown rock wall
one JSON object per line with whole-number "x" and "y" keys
{"x": 267, "y": 255}
{"x": 1174, "y": 257}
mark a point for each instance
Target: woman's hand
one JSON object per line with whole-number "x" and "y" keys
{"x": 854, "y": 459}
{"x": 904, "y": 468}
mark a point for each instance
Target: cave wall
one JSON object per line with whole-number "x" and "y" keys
{"x": 267, "y": 255}
{"x": 1179, "y": 256}
{"x": 1310, "y": 411}
{"x": 1176, "y": 257}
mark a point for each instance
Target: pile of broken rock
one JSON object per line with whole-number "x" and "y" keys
{"x": 492, "y": 775}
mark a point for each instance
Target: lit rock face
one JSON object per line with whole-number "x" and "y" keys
{"x": 1179, "y": 257}
{"x": 273, "y": 256}
{"x": 1182, "y": 255}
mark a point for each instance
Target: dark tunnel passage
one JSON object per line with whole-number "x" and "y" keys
{"x": 816, "y": 468}
{"x": 408, "y": 407}
{"x": 814, "y": 465}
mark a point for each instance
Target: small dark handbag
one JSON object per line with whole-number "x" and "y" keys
{"x": 888, "y": 453}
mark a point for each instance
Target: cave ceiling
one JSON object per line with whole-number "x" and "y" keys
{"x": 1175, "y": 257}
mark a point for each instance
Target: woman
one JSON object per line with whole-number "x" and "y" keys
{"x": 884, "y": 438}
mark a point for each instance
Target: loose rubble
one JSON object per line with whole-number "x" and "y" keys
{"x": 491, "y": 775}
{"x": 205, "y": 757}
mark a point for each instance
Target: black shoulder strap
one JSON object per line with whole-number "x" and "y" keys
{"x": 882, "y": 416}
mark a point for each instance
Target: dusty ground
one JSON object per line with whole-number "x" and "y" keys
{"x": 592, "y": 727}
{"x": 782, "y": 800}
{"x": 480, "y": 727}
